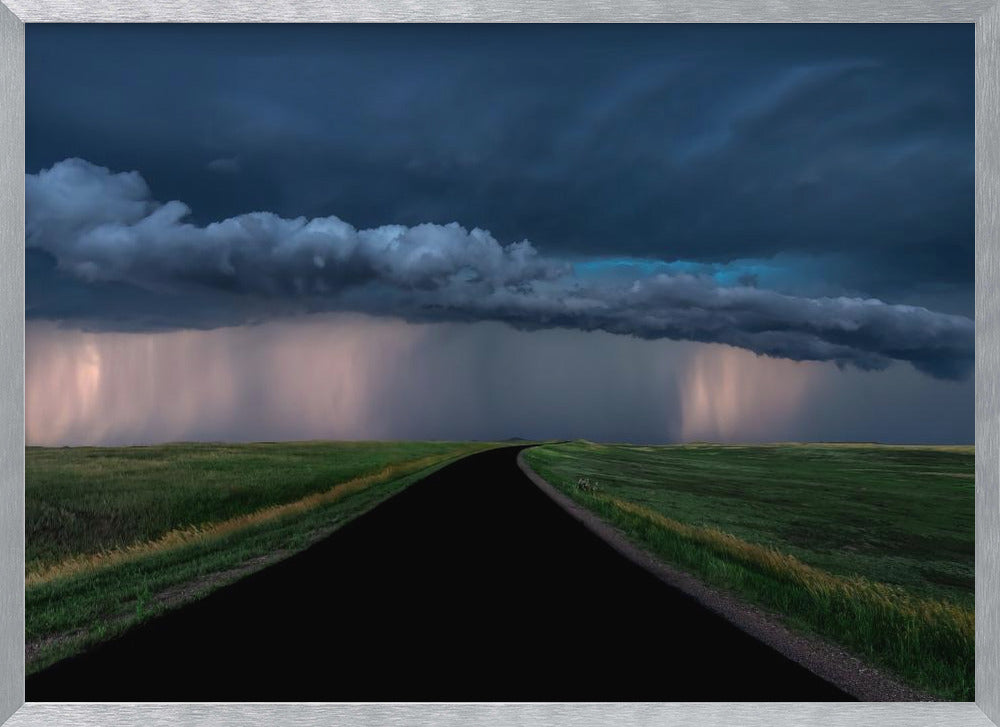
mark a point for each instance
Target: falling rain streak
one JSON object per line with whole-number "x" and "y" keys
{"x": 360, "y": 377}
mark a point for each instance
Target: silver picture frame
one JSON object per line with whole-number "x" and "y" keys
{"x": 985, "y": 14}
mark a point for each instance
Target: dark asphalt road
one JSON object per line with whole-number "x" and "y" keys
{"x": 469, "y": 586}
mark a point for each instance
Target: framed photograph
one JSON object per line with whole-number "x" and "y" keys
{"x": 524, "y": 364}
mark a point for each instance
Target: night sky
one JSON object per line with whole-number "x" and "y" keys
{"x": 642, "y": 233}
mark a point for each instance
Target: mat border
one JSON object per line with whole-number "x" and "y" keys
{"x": 986, "y": 16}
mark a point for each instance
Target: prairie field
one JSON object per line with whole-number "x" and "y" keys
{"x": 115, "y": 535}
{"x": 868, "y": 546}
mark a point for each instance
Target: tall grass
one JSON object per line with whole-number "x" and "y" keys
{"x": 92, "y": 499}
{"x": 929, "y": 643}
{"x": 180, "y": 537}
{"x": 94, "y": 596}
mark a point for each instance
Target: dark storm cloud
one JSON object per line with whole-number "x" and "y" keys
{"x": 225, "y": 165}
{"x": 99, "y": 228}
{"x": 847, "y": 144}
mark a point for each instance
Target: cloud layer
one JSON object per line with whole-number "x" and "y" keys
{"x": 109, "y": 238}
{"x": 704, "y": 143}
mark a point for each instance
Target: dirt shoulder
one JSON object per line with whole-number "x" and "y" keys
{"x": 826, "y": 660}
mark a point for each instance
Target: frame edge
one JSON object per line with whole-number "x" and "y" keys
{"x": 12, "y": 363}
{"x": 473, "y": 11}
{"x": 987, "y": 363}
{"x": 986, "y": 710}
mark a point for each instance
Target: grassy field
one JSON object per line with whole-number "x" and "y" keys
{"x": 116, "y": 535}
{"x": 868, "y": 546}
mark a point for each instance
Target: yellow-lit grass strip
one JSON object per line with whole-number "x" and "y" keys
{"x": 198, "y": 533}
{"x": 878, "y": 614}
{"x": 956, "y": 448}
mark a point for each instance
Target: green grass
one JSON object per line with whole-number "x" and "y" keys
{"x": 868, "y": 546}
{"x": 89, "y": 499}
{"x": 116, "y": 535}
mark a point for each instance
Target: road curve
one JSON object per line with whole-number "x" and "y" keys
{"x": 471, "y": 585}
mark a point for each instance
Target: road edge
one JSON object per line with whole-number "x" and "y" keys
{"x": 272, "y": 559}
{"x": 827, "y": 661}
